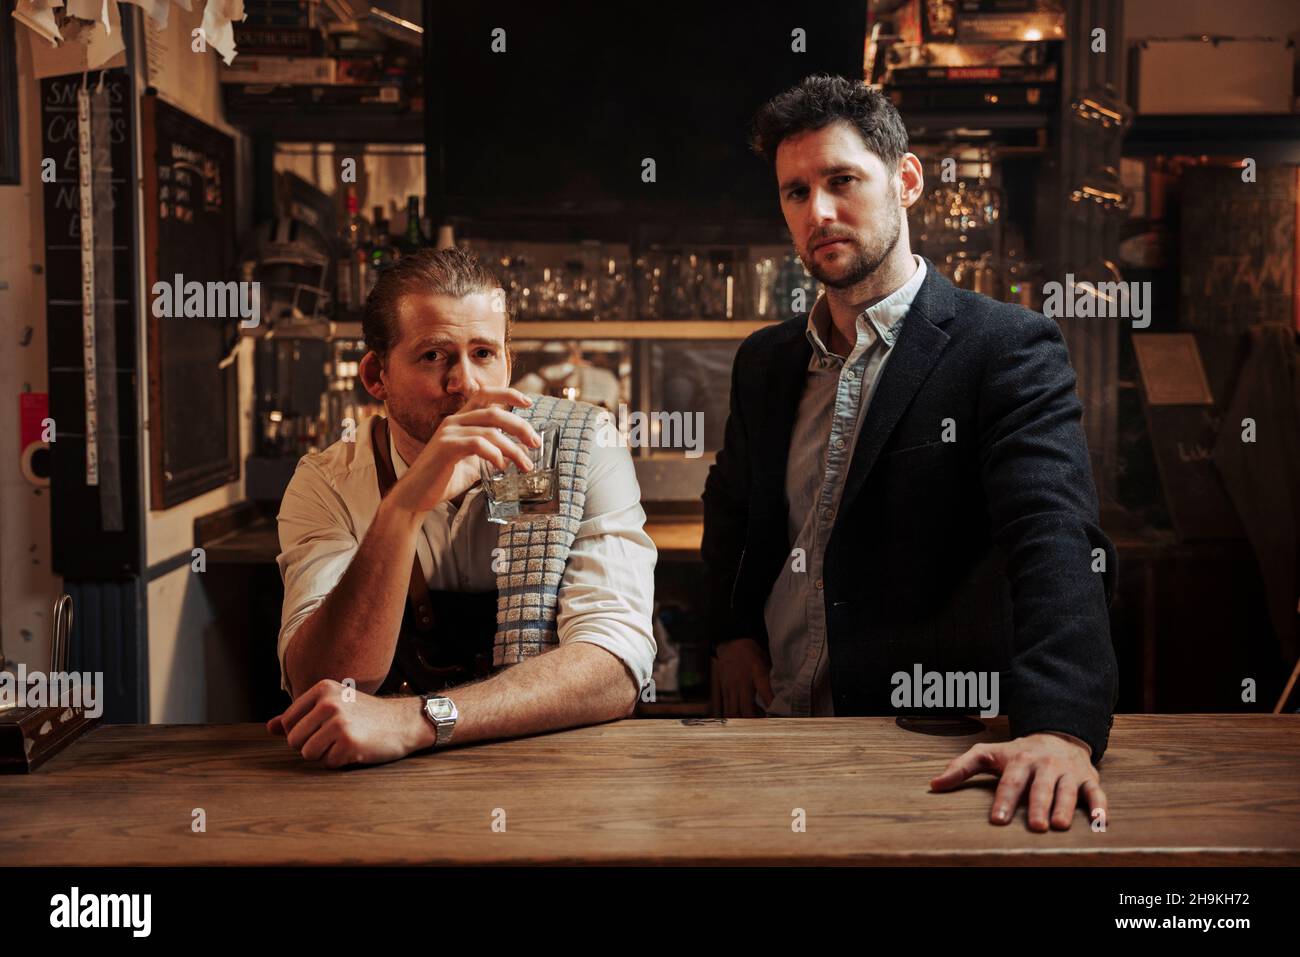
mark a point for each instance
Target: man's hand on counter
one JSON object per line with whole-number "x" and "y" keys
{"x": 744, "y": 671}
{"x": 1055, "y": 768}
{"x": 338, "y": 725}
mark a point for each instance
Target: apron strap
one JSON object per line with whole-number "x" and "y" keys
{"x": 418, "y": 592}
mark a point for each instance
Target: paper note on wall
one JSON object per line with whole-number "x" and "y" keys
{"x": 88, "y": 9}
{"x": 38, "y": 16}
{"x": 157, "y": 56}
{"x": 106, "y": 43}
{"x": 67, "y": 57}
{"x": 155, "y": 10}
{"x": 219, "y": 31}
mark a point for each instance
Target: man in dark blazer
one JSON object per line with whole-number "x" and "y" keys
{"x": 904, "y": 484}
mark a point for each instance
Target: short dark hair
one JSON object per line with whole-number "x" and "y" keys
{"x": 441, "y": 272}
{"x": 820, "y": 100}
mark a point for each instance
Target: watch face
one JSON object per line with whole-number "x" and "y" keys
{"x": 440, "y": 708}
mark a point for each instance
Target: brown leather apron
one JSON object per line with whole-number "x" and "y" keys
{"x": 446, "y": 637}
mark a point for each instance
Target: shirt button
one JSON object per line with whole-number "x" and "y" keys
{"x": 826, "y": 514}
{"x": 850, "y": 374}
{"x": 839, "y": 443}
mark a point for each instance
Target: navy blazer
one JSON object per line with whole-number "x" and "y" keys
{"x": 971, "y": 555}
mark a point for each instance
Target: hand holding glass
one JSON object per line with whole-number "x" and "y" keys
{"x": 514, "y": 496}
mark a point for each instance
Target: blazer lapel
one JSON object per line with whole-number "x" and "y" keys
{"x": 914, "y": 354}
{"x": 787, "y": 375}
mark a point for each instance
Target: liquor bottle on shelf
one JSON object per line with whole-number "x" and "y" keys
{"x": 353, "y": 267}
{"x": 355, "y": 227}
{"x": 346, "y": 293}
{"x": 413, "y": 239}
{"x": 382, "y": 251}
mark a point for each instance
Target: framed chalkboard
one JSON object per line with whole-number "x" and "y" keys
{"x": 90, "y": 317}
{"x": 194, "y": 302}
{"x": 9, "y": 162}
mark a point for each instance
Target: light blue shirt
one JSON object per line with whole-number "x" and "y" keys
{"x": 835, "y": 399}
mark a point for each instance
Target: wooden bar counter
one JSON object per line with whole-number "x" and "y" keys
{"x": 1183, "y": 789}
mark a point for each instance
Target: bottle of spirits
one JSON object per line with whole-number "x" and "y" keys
{"x": 346, "y": 292}
{"x": 353, "y": 265}
{"x": 354, "y": 234}
{"x": 414, "y": 239}
{"x": 382, "y": 252}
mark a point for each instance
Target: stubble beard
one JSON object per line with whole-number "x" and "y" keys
{"x": 418, "y": 423}
{"x": 865, "y": 260}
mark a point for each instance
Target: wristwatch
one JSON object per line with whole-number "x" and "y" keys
{"x": 442, "y": 714}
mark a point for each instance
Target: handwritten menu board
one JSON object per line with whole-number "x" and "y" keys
{"x": 189, "y": 238}
{"x": 95, "y": 518}
{"x": 1238, "y": 252}
{"x": 1237, "y": 261}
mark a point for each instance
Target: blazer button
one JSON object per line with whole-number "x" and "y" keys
{"x": 819, "y": 584}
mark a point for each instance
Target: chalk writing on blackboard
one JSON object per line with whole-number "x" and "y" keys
{"x": 192, "y": 176}
{"x": 90, "y": 315}
{"x": 1196, "y": 452}
{"x": 1237, "y": 249}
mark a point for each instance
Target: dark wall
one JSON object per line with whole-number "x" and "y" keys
{"x": 585, "y": 91}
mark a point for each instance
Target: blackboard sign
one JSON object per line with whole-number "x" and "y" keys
{"x": 90, "y": 316}
{"x": 194, "y": 303}
{"x": 9, "y": 161}
{"x": 1184, "y": 424}
{"x": 1238, "y": 250}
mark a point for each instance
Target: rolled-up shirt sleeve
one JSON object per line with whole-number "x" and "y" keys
{"x": 607, "y": 593}
{"x": 317, "y": 543}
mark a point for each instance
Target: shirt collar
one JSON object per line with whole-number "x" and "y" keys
{"x": 399, "y": 463}
{"x": 883, "y": 319}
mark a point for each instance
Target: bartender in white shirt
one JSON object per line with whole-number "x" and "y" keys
{"x": 439, "y": 361}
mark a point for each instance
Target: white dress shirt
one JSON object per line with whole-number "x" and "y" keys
{"x": 606, "y": 596}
